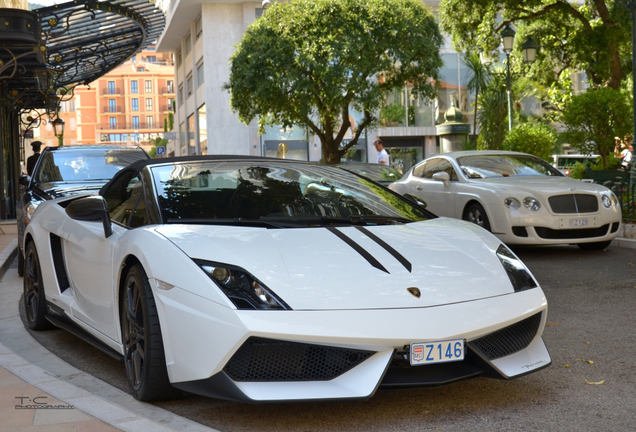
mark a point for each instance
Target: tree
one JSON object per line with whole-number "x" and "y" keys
{"x": 593, "y": 36}
{"x": 534, "y": 138}
{"x": 595, "y": 117}
{"x": 478, "y": 78}
{"x": 309, "y": 62}
{"x": 493, "y": 112}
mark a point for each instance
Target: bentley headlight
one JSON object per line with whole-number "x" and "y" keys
{"x": 614, "y": 199}
{"x": 243, "y": 289}
{"x": 607, "y": 202}
{"x": 516, "y": 270}
{"x": 531, "y": 203}
{"x": 28, "y": 212}
{"x": 512, "y": 203}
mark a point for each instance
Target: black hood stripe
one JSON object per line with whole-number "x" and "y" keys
{"x": 406, "y": 263}
{"x": 355, "y": 246}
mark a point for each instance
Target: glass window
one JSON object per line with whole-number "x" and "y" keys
{"x": 203, "y": 131}
{"x": 71, "y": 105}
{"x": 150, "y": 122}
{"x": 191, "y": 130}
{"x": 135, "y": 104}
{"x": 112, "y": 121}
{"x": 148, "y": 86}
{"x": 148, "y": 104}
{"x": 180, "y": 95}
{"x": 111, "y": 87}
{"x": 182, "y": 139}
{"x": 151, "y": 59}
{"x": 141, "y": 69}
{"x": 112, "y": 105}
{"x": 200, "y": 73}
{"x": 178, "y": 56}
{"x": 135, "y": 122}
{"x": 133, "y": 87}
{"x": 494, "y": 165}
{"x": 188, "y": 45}
{"x": 170, "y": 104}
{"x": 199, "y": 28}
{"x": 189, "y": 84}
{"x": 432, "y": 166}
{"x": 170, "y": 85}
{"x": 123, "y": 202}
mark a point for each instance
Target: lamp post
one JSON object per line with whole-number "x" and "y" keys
{"x": 58, "y": 124}
{"x": 529, "y": 48}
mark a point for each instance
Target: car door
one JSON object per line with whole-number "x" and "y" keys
{"x": 89, "y": 257}
{"x": 439, "y": 195}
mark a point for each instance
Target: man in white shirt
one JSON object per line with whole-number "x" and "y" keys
{"x": 626, "y": 155}
{"x": 383, "y": 156}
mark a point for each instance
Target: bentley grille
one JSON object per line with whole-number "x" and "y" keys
{"x": 574, "y": 203}
{"x": 261, "y": 359}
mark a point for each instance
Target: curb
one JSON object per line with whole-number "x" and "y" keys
{"x": 7, "y": 255}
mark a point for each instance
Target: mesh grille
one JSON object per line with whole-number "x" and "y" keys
{"x": 574, "y": 203}
{"x": 508, "y": 340}
{"x": 578, "y": 233}
{"x": 274, "y": 360}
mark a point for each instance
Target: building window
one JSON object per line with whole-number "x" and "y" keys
{"x": 199, "y": 28}
{"x": 192, "y": 150}
{"x": 71, "y": 105}
{"x": 135, "y": 104}
{"x": 170, "y": 105}
{"x": 112, "y": 106}
{"x": 148, "y": 86}
{"x": 200, "y": 74}
{"x": 140, "y": 69}
{"x": 203, "y": 131}
{"x": 134, "y": 59}
{"x": 180, "y": 95}
{"x": 148, "y": 104}
{"x": 151, "y": 59}
{"x": 112, "y": 121}
{"x": 135, "y": 123}
{"x": 111, "y": 87}
{"x": 179, "y": 57}
{"x": 133, "y": 87}
{"x": 170, "y": 85}
{"x": 188, "y": 45}
{"x": 189, "y": 84}
{"x": 150, "y": 122}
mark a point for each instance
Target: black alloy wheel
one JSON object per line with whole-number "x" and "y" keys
{"x": 141, "y": 335}
{"x": 20, "y": 263}
{"x": 34, "y": 299}
{"x": 476, "y": 214}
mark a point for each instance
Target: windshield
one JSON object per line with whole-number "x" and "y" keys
{"x": 230, "y": 192}
{"x": 502, "y": 165}
{"x": 85, "y": 164}
{"x": 375, "y": 172}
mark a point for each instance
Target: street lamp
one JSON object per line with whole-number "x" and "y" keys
{"x": 58, "y": 124}
{"x": 529, "y": 48}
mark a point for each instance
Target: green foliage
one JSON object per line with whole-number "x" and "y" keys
{"x": 156, "y": 142}
{"x": 534, "y": 138}
{"x": 308, "y": 62}
{"x": 593, "y": 36}
{"x": 595, "y": 117}
{"x": 579, "y": 169}
{"x": 478, "y": 78}
{"x": 393, "y": 113}
{"x": 493, "y": 113}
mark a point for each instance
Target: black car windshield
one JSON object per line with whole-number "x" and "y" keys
{"x": 85, "y": 164}
{"x": 275, "y": 194}
{"x": 505, "y": 165}
{"x": 375, "y": 172}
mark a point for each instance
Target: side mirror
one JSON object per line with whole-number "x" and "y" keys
{"x": 24, "y": 180}
{"x": 441, "y": 176}
{"x": 420, "y": 202}
{"x": 91, "y": 209}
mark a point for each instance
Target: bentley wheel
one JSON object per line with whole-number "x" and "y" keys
{"x": 476, "y": 214}
{"x": 595, "y": 245}
{"x": 20, "y": 263}
{"x": 34, "y": 299}
{"x": 143, "y": 345}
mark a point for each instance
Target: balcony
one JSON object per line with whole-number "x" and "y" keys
{"x": 112, "y": 91}
{"x": 141, "y": 126}
{"x": 166, "y": 108}
{"x": 167, "y": 90}
{"x": 112, "y": 110}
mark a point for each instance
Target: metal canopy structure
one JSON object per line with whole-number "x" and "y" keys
{"x": 86, "y": 39}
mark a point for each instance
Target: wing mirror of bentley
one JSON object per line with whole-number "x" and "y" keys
{"x": 91, "y": 209}
{"x": 419, "y": 201}
{"x": 441, "y": 176}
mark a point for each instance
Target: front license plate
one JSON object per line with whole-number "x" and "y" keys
{"x": 437, "y": 351}
{"x": 579, "y": 222}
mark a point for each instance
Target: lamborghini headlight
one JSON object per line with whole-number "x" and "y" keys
{"x": 516, "y": 270}
{"x": 243, "y": 289}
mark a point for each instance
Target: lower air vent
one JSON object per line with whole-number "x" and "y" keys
{"x": 579, "y": 233}
{"x": 508, "y": 340}
{"x": 261, "y": 359}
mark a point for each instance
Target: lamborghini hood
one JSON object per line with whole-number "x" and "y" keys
{"x": 320, "y": 268}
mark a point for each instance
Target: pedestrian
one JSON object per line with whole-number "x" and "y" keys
{"x": 32, "y": 160}
{"x": 626, "y": 157}
{"x": 383, "y": 156}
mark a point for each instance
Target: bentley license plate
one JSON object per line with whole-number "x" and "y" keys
{"x": 579, "y": 222}
{"x": 437, "y": 352}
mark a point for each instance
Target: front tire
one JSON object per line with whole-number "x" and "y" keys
{"x": 144, "y": 356}
{"x": 595, "y": 245}
{"x": 20, "y": 263}
{"x": 476, "y": 214}
{"x": 33, "y": 297}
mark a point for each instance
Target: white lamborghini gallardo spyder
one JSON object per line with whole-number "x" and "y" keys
{"x": 258, "y": 279}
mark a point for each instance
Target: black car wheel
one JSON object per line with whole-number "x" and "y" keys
{"x": 476, "y": 214}
{"x": 34, "y": 299}
{"x": 143, "y": 345}
{"x": 20, "y": 263}
{"x": 595, "y": 245}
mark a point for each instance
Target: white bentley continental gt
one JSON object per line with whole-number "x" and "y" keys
{"x": 520, "y": 198}
{"x": 256, "y": 279}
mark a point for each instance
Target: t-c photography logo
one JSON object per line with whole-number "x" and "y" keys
{"x": 39, "y": 403}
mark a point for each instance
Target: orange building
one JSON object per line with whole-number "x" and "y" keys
{"x": 127, "y": 106}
